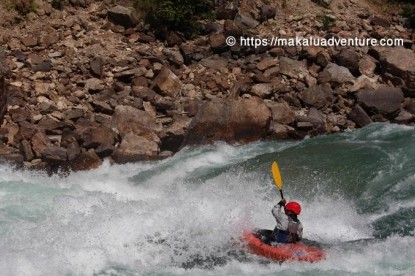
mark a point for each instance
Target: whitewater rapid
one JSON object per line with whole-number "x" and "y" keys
{"x": 185, "y": 215}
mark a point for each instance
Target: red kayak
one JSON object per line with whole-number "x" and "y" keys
{"x": 283, "y": 252}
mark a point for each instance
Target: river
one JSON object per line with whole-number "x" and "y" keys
{"x": 184, "y": 215}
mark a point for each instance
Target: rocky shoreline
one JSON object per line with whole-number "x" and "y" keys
{"x": 91, "y": 82}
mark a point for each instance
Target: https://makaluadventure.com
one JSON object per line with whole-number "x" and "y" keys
{"x": 313, "y": 41}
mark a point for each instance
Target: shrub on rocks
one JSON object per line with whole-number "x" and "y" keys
{"x": 175, "y": 15}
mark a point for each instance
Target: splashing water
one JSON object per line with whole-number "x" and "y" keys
{"x": 185, "y": 215}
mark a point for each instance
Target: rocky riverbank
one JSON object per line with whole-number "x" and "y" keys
{"x": 92, "y": 82}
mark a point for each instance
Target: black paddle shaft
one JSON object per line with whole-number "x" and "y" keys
{"x": 282, "y": 196}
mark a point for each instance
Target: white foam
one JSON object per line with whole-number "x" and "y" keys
{"x": 96, "y": 221}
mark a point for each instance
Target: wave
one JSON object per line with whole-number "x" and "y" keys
{"x": 184, "y": 215}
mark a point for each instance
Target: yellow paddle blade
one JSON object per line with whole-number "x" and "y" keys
{"x": 276, "y": 174}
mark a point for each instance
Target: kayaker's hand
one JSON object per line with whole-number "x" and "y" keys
{"x": 282, "y": 202}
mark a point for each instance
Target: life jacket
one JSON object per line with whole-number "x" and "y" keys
{"x": 290, "y": 235}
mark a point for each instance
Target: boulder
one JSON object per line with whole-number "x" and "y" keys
{"x": 245, "y": 21}
{"x": 73, "y": 149}
{"x": 173, "y": 135}
{"x": 267, "y": 12}
{"x": 129, "y": 119}
{"x": 404, "y": 117}
{"x": 349, "y": 59}
{"x": 167, "y": 83}
{"x": 262, "y": 90}
{"x": 364, "y": 82}
{"x": 26, "y": 150}
{"x": 39, "y": 143}
{"x": 281, "y": 132}
{"x": 10, "y": 155}
{"x": 359, "y": 116}
{"x": 217, "y": 42}
{"x": 231, "y": 120}
{"x": 123, "y": 16}
{"x": 266, "y": 63}
{"x": 293, "y": 68}
{"x": 94, "y": 85}
{"x": 97, "y": 66}
{"x": 214, "y": 62}
{"x": 135, "y": 148}
{"x": 319, "y": 96}
{"x": 367, "y": 65}
{"x": 282, "y": 113}
{"x": 400, "y": 62}
{"x": 384, "y": 100}
{"x": 334, "y": 73}
{"x": 137, "y": 129}
{"x": 96, "y": 137}
{"x": 54, "y": 155}
{"x": 85, "y": 161}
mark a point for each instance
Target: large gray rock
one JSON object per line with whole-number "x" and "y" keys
{"x": 232, "y": 120}
{"x": 334, "y": 73}
{"x": 384, "y": 100}
{"x": 123, "y": 16}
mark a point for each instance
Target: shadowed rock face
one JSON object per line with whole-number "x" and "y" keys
{"x": 232, "y": 120}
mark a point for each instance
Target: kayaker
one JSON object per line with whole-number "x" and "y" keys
{"x": 289, "y": 229}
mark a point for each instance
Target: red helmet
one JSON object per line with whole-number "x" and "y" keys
{"x": 294, "y": 207}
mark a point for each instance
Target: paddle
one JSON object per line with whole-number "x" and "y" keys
{"x": 277, "y": 177}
